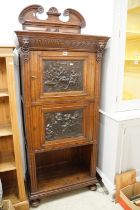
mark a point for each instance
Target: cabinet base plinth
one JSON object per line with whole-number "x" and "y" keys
{"x": 35, "y": 202}
{"x": 35, "y": 197}
{"x": 93, "y": 187}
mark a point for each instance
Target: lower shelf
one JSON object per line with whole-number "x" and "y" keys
{"x": 7, "y": 166}
{"x": 5, "y": 131}
{"x": 7, "y": 162}
{"x": 62, "y": 176}
{"x": 11, "y": 194}
{"x": 9, "y": 185}
{"x": 3, "y": 93}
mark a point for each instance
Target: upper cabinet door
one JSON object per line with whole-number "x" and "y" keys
{"x": 62, "y": 75}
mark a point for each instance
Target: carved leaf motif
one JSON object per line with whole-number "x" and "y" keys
{"x": 63, "y": 124}
{"x": 62, "y": 75}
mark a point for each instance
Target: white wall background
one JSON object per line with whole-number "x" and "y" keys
{"x": 97, "y": 13}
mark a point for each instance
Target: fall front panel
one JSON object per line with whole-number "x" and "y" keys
{"x": 62, "y": 75}
{"x": 55, "y": 76}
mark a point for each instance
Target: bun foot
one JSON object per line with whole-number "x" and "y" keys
{"x": 93, "y": 187}
{"x": 35, "y": 203}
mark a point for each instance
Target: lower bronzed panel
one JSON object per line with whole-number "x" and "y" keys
{"x": 63, "y": 124}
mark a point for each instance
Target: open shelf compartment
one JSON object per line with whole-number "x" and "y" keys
{"x": 10, "y": 188}
{"x": 5, "y": 119}
{"x": 3, "y": 78}
{"x": 66, "y": 168}
{"x": 7, "y": 160}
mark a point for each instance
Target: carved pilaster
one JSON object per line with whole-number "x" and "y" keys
{"x": 100, "y": 50}
{"x": 24, "y": 50}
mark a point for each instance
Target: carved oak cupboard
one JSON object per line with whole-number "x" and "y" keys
{"x": 60, "y": 75}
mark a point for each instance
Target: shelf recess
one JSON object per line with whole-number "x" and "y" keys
{"x": 7, "y": 166}
{"x": 4, "y": 93}
{"x": 5, "y": 131}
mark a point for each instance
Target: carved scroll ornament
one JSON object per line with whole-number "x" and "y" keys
{"x": 30, "y": 21}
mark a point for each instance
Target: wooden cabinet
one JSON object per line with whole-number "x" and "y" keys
{"x": 11, "y": 171}
{"x": 60, "y": 75}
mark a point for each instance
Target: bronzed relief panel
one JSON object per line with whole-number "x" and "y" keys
{"x": 63, "y": 124}
{"x": 62, "y": 75}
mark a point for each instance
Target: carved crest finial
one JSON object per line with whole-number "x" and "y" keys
{"x": 29, "y": 20}
{"x": 53, "y": 11}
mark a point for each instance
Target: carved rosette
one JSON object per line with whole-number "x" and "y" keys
{"x": 100, "y": 50}
{"x": 24, "y": 50}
